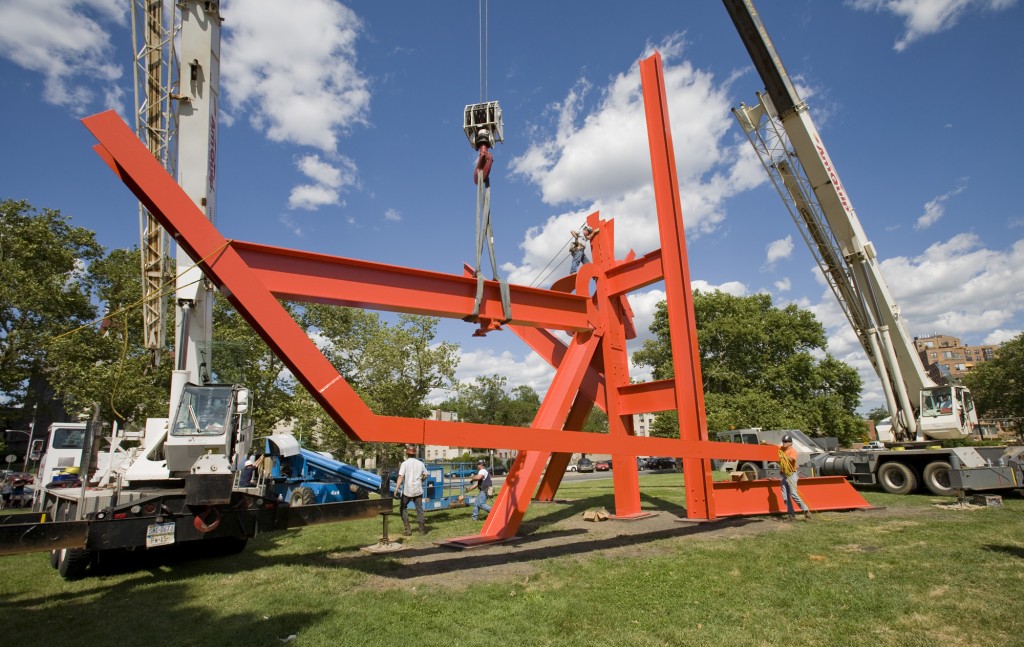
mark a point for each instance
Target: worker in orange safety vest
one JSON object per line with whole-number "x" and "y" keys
{"x": 788, "y": 467}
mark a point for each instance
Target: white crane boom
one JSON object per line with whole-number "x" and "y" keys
{"x": 782, "y": 132}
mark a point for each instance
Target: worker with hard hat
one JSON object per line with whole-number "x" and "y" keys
{"x": 788, "y": 466}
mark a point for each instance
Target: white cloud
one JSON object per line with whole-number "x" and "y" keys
{"x": 925, "y": 17}
{"x": 783, "y": 285}
{"x": 779, "y": 249}
{"x": 392, "y": 215}
{"x": 292, "y": 65}
{"x": 312, "y": 196}
{"x": 68, "y": 43}
{"x": 1000, "y": 336}
{"x": 599, "y": 161}
{"x": 328, "y": 182}
{"x": 936, "y": 208}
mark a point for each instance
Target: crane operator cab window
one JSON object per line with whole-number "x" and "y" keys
{"x": 937, "y": 402}
{"x": 203, "y": 411}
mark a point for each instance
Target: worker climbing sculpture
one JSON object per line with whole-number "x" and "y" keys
{"x": 483, "y": 128}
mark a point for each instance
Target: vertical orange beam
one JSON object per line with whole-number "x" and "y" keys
{"x": 612, "y": 319}
{"x": 678, "y": 295}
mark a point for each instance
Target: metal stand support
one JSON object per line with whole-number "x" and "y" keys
{"x": 385, "y": 545}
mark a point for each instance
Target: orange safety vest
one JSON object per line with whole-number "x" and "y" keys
{"x": 787, "y": 460}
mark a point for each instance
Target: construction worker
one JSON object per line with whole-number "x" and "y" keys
{"x": 788, "y": 467}
{"x": 578, "y": 247}
{"x": 482, "y": 482}
{"x": 411, "y": 475}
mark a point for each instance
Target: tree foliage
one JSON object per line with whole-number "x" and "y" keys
{"x": 42, "y": 294}
{"x": 107, "y": 364}
{"x": 488, "y": 400}
{"x": 998, "y": 384}
{"x": 760, "y": 368}
{"x": 393, "y": 368}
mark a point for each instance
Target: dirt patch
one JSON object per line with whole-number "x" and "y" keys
{"x": 426, "y": 565}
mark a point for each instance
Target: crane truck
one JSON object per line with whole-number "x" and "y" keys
{"x": 180, "y": 486}
{"x": 781, "y": 131}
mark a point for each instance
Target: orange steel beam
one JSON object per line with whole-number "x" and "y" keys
{"x": 820, "y": 493}
{"x": 376, "y": 286}
{"x": 678, "y": 296}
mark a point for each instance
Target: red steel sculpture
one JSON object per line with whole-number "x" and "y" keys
{"x": 591, "y": 369}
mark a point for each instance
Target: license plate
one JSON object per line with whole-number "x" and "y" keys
{"x": 160, "y": 534}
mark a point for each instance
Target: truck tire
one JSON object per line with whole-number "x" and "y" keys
{"x": 302, "y": 496}
{"x": 72, "y": 563}
{"x": 936, "y": 478}
{"x": 751, "y": 469}
{"x": 897, "y": 478}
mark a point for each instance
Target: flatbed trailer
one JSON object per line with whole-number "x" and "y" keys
{"x": 80, "y": 528}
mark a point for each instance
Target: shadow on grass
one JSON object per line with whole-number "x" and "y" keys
{"x": 174, "y": 618}
{"x": 1012, "y": 551}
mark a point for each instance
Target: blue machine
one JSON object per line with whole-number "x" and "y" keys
{"x": 304, "y": 477}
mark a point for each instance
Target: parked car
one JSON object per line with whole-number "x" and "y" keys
{"x": 661, "y": 463}
{"x": 571, "y": 467}
{"x": 875, "y": 446}
{"x": 461, "y": 472}
{"x": 602, "y": 466}
{"x": 584, "y": 465}
{"x": 498, "y": 470}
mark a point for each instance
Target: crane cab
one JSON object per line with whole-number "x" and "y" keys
{"x": 947, "y": 412}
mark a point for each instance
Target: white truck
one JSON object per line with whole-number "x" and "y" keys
{"x": 897, "y": 470}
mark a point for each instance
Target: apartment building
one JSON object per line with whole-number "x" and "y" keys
{"x": 947, "y": 360}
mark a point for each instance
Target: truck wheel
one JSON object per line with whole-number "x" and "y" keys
{"x": 936, "y": 478}
{"x": 897, "y": 478}
{"x": 302, "y": 496}
{"x": 72, "y": 563}
{"x": 751, "y": 469}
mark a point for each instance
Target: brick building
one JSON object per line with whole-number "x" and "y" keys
{"x": 946, "y": 359}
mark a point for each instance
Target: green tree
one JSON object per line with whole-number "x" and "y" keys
{"x": 878, "y": 414}
{"x": 392, "y": 367}
{"x": 760, "y": 369}
{"x": 42, "y": 294}
{"x": 998, "y": 385}
{"x": 108, "y": 364}
{"x": 487, "y": 400}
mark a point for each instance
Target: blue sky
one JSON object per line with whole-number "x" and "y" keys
{"x": 341, "y": 133}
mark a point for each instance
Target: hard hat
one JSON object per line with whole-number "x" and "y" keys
{"x": 71, "y": 470}
{"x": 481, "y": 462}
{"x": 410, "y": 450}
{"x": 787, "y": 438}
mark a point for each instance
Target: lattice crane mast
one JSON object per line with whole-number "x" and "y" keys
{"x": 155, "y": 75}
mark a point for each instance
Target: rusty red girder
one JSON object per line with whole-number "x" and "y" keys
{"x": 591, "y": 369}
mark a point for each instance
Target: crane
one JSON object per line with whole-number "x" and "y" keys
{"x": 780, "y": 128}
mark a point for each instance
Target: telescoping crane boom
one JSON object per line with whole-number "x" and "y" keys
{"x": 780, "y": 129}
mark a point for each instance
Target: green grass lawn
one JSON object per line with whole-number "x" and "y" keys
{"x": 911, "y": 574}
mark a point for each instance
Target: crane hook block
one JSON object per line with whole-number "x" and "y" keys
{"x": 482, "y": 124}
